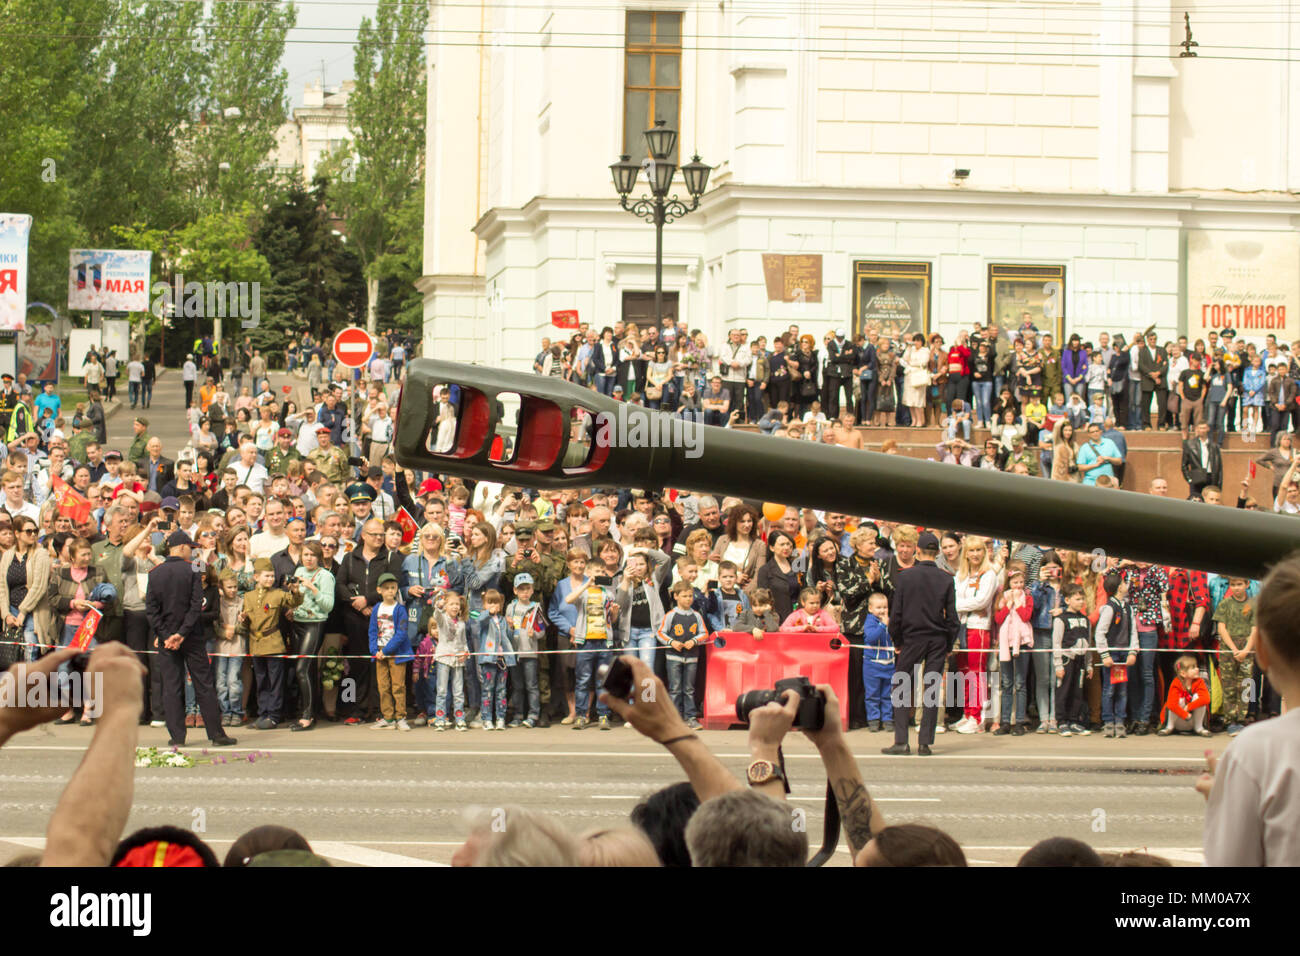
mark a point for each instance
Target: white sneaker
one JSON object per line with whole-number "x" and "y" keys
{"x": 967, "y": 726}
{"x": 476, "y": 724}
{"x": 939, "y": 728}
{"x": 501, "y": 723}
{"x": 403, "y": 725}
{"x": 157, "y": 723}
{"x": 381, "y": 724}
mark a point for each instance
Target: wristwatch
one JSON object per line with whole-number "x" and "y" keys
{"x": 763, "y": 771}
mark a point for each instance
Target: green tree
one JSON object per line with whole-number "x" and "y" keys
{"x": 316, "y": 283}
{"x": 242, "y": 104}
{"x": 46, "y": 52}
{"x": 384, "y": 165}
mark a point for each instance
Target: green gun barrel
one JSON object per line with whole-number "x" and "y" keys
{"x": 566, "y": 436}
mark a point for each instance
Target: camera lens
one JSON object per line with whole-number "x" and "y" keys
{"x": 751, "y": 699}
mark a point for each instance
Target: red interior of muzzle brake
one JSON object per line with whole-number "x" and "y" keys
{"x": 539, "y": 437}
{"x": 473, "y": 426}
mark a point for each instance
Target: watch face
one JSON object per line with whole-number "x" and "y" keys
{"x": 760, "y": 771}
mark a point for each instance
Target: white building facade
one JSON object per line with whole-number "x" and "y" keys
{"x": 910, "y": 167}
{"x": 317, "y": 128}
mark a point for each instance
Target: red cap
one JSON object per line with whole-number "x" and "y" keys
{"x": 429, "y": 486}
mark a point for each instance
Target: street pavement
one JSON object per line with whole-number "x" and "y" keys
{"x": 369, "y": 798}
{"x": 166, "y": 412}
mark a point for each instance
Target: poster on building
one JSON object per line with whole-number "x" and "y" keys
{"x": 14, "y": 229}
{"x": 793, "y": 278}
{"x": 111, "y": 280}
{"x": 1033, "y": 294}
{"x": 891, "y": 299}
{"x": 1246, "y": 281}
{"x": 38, "y": 353}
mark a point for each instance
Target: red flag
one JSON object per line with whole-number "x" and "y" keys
{"x": 672, "y": 495}
{"x": 86, "y": 631}
{"x": 75, "y": 505}
{"x": 565, "y": 319}
{"x": 409, "y": 527}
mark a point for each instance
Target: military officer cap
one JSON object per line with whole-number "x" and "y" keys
{"x": 524, "y": 529}
{"x": 360, "y": 491}
{"x": 544, "y": 524}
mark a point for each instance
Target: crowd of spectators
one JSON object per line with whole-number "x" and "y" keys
{"x": 465, "y": 606}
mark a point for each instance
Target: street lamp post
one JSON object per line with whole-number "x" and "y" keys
{"x": 660, "y": 208}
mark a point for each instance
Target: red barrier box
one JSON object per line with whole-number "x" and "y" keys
{"x": 737, "y": 663}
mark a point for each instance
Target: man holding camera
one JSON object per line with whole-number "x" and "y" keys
{"x": 923, "y": 625}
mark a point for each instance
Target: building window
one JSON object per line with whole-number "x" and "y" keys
{"x": 652, "y": 83}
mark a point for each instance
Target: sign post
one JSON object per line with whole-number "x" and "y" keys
{"x": 353, "y": 347}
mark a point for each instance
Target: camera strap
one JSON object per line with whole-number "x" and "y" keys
{"x": 830, "y": 818}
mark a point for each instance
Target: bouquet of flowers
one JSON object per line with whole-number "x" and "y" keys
{"x": 332, "y": 668}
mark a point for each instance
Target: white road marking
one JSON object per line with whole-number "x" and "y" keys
{"x": 876, "y": 799}
{"x": 364, "y": 856}
{"x": 1009, "y": 757}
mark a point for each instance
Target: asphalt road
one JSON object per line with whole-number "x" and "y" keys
{"x": 371, "y": 798}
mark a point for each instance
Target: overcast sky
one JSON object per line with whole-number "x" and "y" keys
{"x": 323, "y": 20}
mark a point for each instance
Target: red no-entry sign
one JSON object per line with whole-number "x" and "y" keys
{"x": 353, "y": 348}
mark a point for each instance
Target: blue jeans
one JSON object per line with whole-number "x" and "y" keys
{"x": 493, "y": 676}
{"x": 1146, "y": 665}
{"x": 1044, "y": 676}
{"x": 605, "y": 384}
{"x": 29, "y": 635}
{"x": 1136, "y": 408}
{"x": 146, "y": 393}
{"x": 590, "y": 656}
{"x": 454, "y": 676}
{"x": 472, "y": 691}
{"x": 681, "y": 686}
{"x": 1114, "y": 695}
{"x": 1217, "y": 420}
{"x": 1076, "y": 388}
{"x": 983, "y": 401}
{"x": 426, "y": 690}
{"x": 230, "y": 685}
{"x": 1014, "y": 673}
{"x": 527, "y": 696}
{"x": 133, "y": 390}
{"x": 641, "y": 642}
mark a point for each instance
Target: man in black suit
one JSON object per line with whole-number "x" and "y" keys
{"x": 174, "y": 606}
{"x": 841, "y": 366}
{"x": 1153, "y": 366}
{"x": 923, "y": 626}
{"x": 1202, "y": 461}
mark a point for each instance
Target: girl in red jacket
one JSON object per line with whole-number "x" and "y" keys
{"x": 1188, "y": 701}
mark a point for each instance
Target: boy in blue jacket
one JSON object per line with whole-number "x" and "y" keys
{"x": 391, "y": 646}
{"x": 878, "y": 664}
{"x": 725, "y": 602}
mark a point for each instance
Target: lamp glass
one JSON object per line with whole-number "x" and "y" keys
{"x": 625, "y": 173}
{"x": 662, "y": 172}
{"x": 661, "y": 140}
{"x": 696, "y": 176}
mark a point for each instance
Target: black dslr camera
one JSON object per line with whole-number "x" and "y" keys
{"x": 812, "y": 702}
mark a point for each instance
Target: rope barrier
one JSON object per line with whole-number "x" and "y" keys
{"x": 371, "y": 657}
{"x": 1115, "y": 652}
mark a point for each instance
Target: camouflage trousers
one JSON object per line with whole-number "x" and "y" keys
{"x": 1234, "y": 676}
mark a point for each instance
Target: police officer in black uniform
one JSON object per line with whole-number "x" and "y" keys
{"x": 923, "y": 626}
{"x": 174, "y": 605}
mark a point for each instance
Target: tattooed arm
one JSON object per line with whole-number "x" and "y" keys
{"x": 859, "y": 815}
